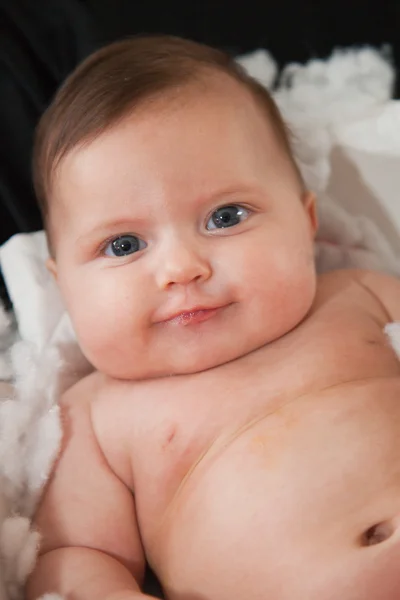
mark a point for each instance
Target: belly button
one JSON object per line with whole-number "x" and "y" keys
{"x": 377, "y": 534}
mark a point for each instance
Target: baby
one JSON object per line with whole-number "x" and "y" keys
{"x": 241, "y": 429}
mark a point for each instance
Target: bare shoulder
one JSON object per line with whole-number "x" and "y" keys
{"x": 384, "y": 288}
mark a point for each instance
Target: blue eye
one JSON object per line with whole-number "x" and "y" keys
{"x": 227, "y": 216}
{"x": 124, "y": 245}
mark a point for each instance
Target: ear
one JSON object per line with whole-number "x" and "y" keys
{"x": 52, "y": 267}
{"x": 310, "y": 206}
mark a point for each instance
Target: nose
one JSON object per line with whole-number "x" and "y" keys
{"x": 181, "y": 262}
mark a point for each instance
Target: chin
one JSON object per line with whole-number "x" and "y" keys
{"x": 207, "y": 360}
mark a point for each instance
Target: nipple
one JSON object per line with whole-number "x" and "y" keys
{"x": 377, "y": 534}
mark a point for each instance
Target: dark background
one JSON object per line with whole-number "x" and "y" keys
{"x": 41, "y": 41}
{"x": 292, "y": 30}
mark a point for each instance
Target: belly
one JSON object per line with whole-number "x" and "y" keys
{"x": 288, "y": 494}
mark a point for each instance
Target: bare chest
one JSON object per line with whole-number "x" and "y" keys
{"x": 183, "y": 418}
{"x": 167, "y": 430}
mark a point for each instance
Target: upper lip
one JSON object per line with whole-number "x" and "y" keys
{"x": 192, "y": 309}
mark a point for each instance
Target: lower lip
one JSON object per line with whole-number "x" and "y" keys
{"x": 191, "y": 318}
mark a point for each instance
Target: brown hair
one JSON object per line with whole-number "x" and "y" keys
{"x": 114, "y": 81}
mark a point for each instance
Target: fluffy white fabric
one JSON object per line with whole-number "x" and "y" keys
{"x": 345, "y": 136}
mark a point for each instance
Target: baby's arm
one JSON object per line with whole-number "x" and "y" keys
{"x": 91, "y": 547}
{"x": 385, "y": 288}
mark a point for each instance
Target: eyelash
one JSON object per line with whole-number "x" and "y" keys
{"x": 102, "y": 248}
{"x": 239, "y": 206}
{"x": 110, "y": 239}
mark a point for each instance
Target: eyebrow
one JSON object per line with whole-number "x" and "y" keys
{"x": 240, "y": 188}
{"x": 232, "y": 190}
{"x": 107, "y": 228}
{"x": 126, "y": 224}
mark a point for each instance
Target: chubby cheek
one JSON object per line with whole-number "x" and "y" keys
{"x": 279, "y": 283}
{"x": 102, "y": 312}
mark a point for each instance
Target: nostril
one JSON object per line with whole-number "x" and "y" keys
{"x": 377, "y": 534}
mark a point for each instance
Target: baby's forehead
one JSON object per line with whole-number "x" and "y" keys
{"x": 214, "y": 88}
{"x": 211, "y": 92}
{"x": 239, "y": 102}
{"x": 214, "y": 102}
{"x": 207, "y": 87}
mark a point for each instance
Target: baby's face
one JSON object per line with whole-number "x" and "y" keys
{"x": 181, "y": 237}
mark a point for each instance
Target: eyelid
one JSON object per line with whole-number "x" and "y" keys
{"x": 100, "y": 251}
{"x": 103, "y": 245}
{"x": 225, "y": 205}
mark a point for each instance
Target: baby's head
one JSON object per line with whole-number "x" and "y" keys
{"x": 180, "y": 231}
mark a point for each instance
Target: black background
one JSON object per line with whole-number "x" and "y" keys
{"x": 291, "y": 30}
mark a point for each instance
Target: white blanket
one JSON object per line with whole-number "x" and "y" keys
{"x": 347, "y": 141}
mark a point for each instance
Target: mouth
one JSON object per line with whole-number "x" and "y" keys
{"x": 193, "y": 316}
